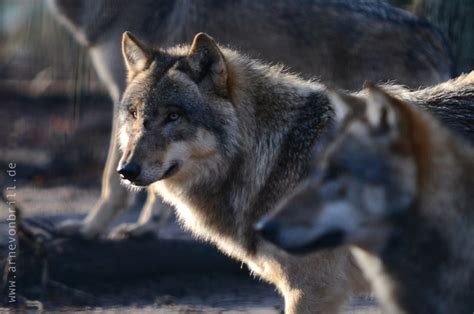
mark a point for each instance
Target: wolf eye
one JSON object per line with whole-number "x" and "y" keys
{"x": 173, "y": 116}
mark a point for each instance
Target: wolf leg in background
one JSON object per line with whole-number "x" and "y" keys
{"x": 153, "y": 214}
{"x": 317, "y": 40}
{"x": 408, "y": 217}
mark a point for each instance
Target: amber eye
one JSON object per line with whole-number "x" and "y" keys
{"x": 173, "y": 116}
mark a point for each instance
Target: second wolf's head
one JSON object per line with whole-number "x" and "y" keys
{"x": 366, "y": 176}
{"x": 175, "y": 118}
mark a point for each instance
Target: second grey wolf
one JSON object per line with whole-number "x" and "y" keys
{"x": 343, "y": 42}
{"x": 223, "y": 138}
{"x": 398, "y": 188}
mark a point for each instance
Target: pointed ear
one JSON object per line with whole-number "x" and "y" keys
{"x": 339, "y": 104}
{"x": 205, "y": 58}
{"x": 381, "y": 111}
{"x": 135, "y": 53}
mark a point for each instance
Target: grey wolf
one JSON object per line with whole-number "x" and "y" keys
{"x": 340, "y": 41}
{"x": 397, "y": 187}
{"x": 223, "y": 138}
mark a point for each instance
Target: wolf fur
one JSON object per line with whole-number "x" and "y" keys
{"x": 397, "y": 186}
{"x": 342, "y": 42}
{"x": 223, "y": 138}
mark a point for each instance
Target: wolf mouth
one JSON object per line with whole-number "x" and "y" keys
{"x": 172, "y": 170}
{"x": 328, "y": 240}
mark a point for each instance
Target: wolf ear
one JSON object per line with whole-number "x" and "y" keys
{"x": 205, "y": 58}
{"x": 380, "y": 110}
{"x": 339, "y": 104}
{"x": 135, "y": 53}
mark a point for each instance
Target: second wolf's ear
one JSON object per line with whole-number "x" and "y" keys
{"x": 381, "y": 110}
{"x": 205, "y": 58}
{"x": 136, "y": 54}
{"x": 339, "y": 104}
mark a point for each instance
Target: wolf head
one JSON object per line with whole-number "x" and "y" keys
{"x": 366, "y": 177}
{"x": 175, "y": 119}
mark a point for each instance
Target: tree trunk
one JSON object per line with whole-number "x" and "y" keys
{"x": 456, "y": 19}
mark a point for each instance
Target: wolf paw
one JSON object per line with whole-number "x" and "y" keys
{"x": 133, "y": 230}
{"x": 70, "y": 227}
{"x": 75, "y": 228}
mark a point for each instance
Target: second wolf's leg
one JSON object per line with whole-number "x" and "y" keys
{"x": 113, "y": 199}
{"x": 153, "y": 214}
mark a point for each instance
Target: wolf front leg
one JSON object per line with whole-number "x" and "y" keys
{"x": 112, "y": 201}
{"x": 322, "y": 282}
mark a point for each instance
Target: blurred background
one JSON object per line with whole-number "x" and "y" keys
{"x": 55, "y": 123}
{"x": 52, "y": 102}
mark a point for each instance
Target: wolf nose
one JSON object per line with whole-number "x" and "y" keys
{"x": 129, "y": 171}
{"x": 268, "y": 230}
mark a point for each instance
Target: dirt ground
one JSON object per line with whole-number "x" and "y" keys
{"x": 59, "y": 142}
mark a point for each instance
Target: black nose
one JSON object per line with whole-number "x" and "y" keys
{"x": 130, "y": 171}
